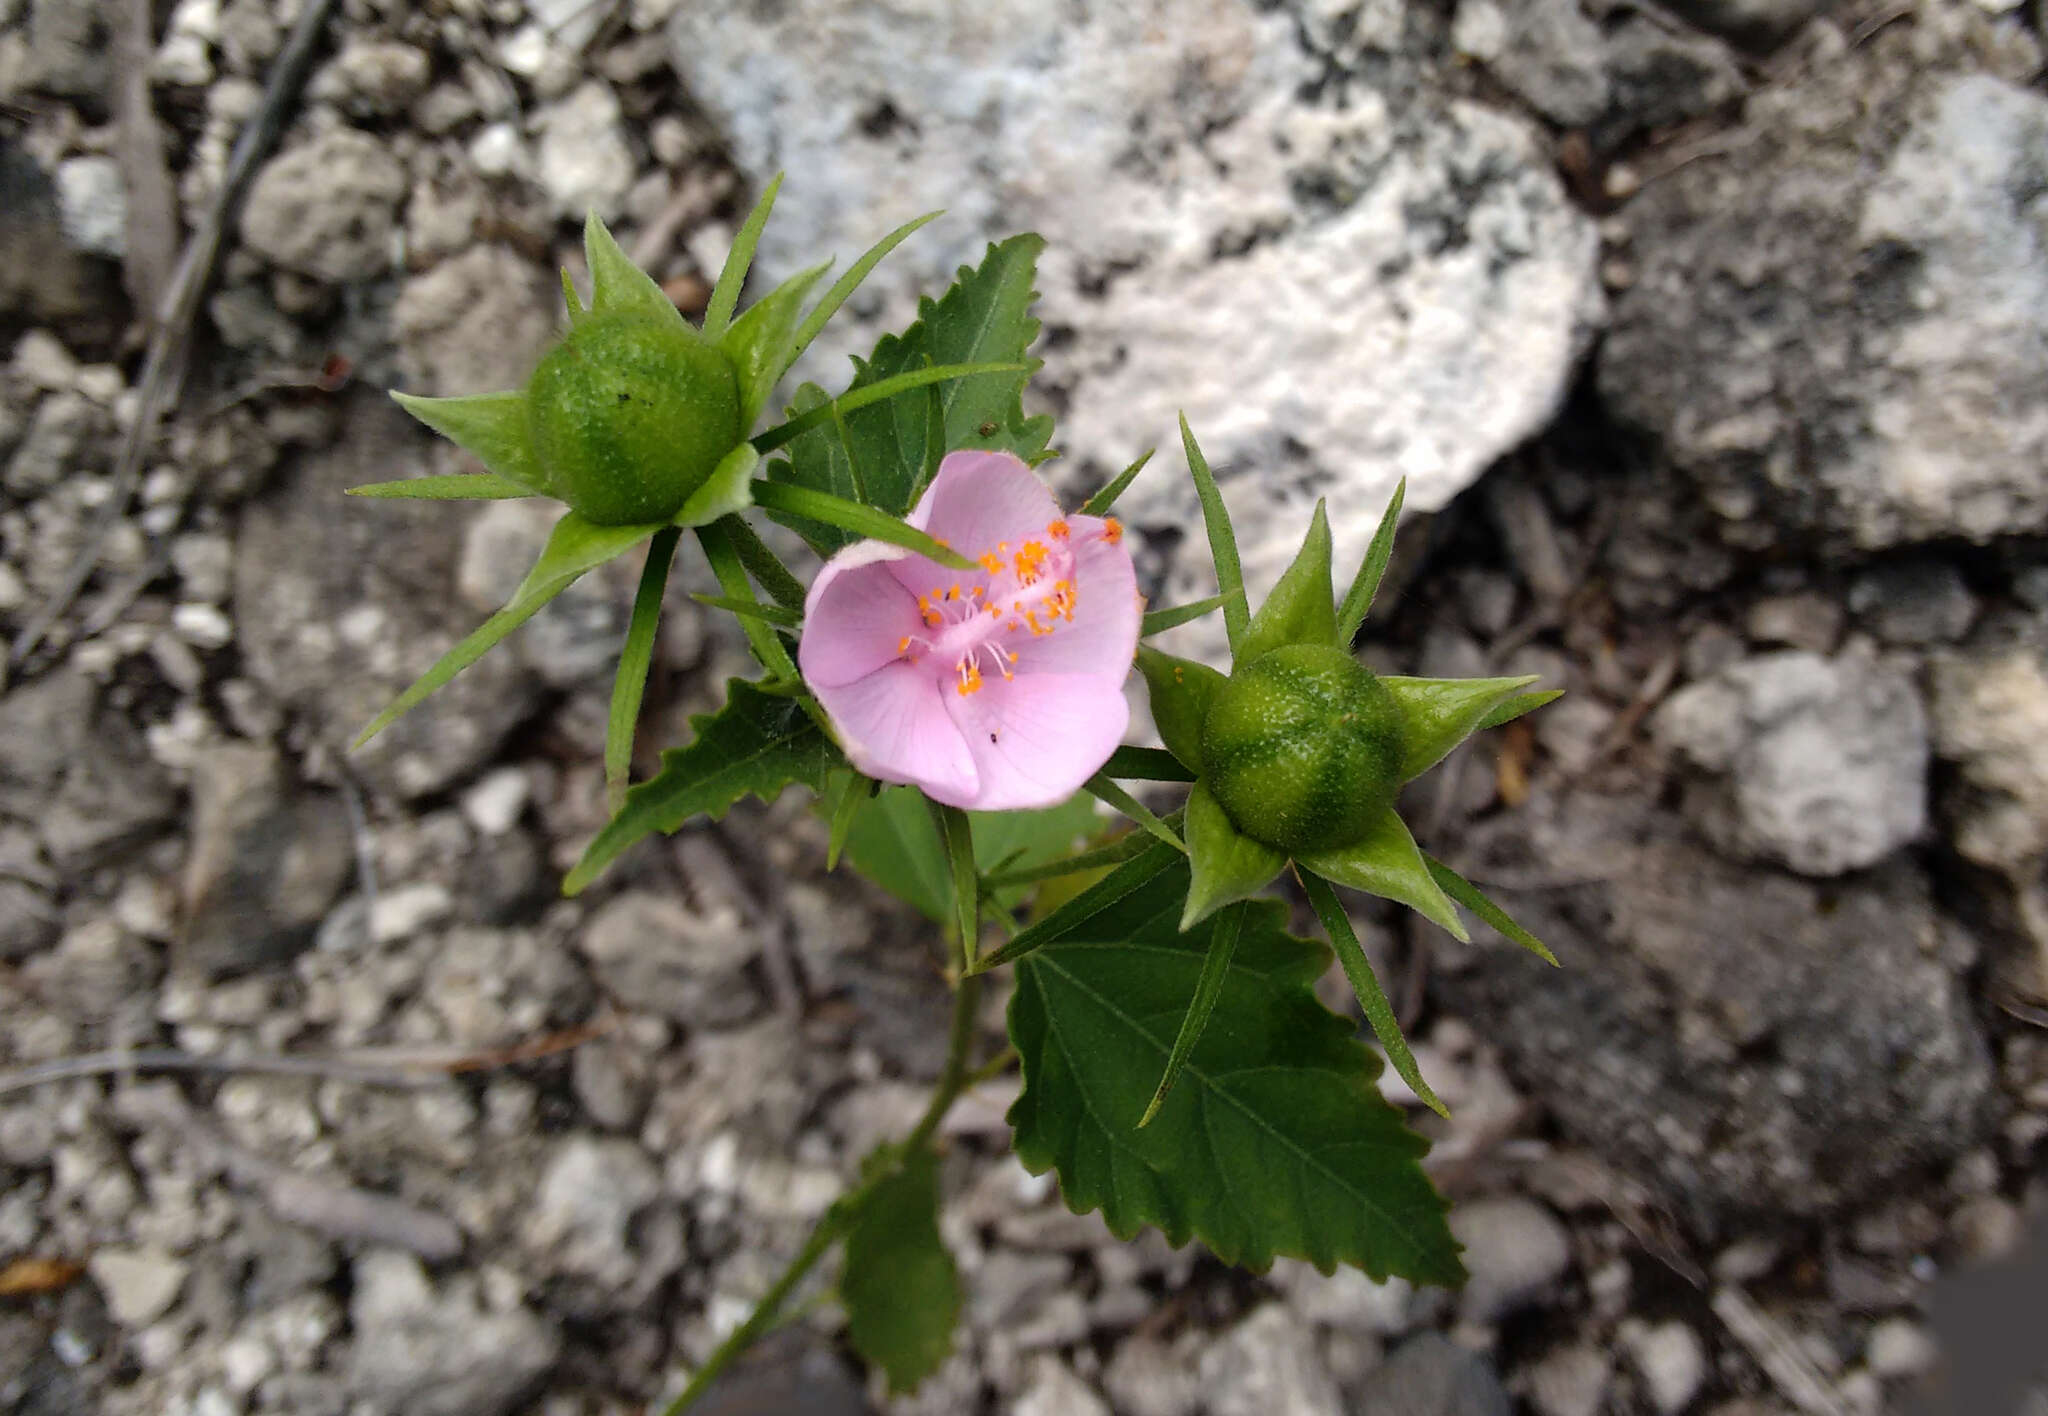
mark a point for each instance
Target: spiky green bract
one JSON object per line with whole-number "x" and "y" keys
{"x": 1372, "y": 999}
{"x": 1274, "y": 1141}
{"x": 629, "y": 414}
{"x": 1386, "y": 862}
{"x": 881, "y": 455}
{"x": 759, "y": 341}
{"x": 1227, "y": 864}
{"x": 1180, "y": 691}
{"x": 898, "y": 1281}
{"x": 461, "y": 486}
{"x": 1438, "y": 714}
{"x": 1222, "y": 539}
{"x": 1303, "y": 748}
{"x": 1518, "y": 705}
{"x": 491, "y": 427}
{"x": 891, "y": 840}
{"x": 1473, "y": 899}
{"x": 1300, "y": 610}
{"x": 629, "y": 685}
{"x": 574, "y": 547}
{"x": 1366, "y": 584}
{"x": 757, "y": 744}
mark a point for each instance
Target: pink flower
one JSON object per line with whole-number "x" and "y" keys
{"x": 994, "y": 690}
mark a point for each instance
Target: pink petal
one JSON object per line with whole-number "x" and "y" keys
{"x": 1102, "y": 638}
{"x": 894, "y": 726}
{"x": 976, "y": 500}
{"x": 1036, "y": 738}
{"x": 855, "y": 617}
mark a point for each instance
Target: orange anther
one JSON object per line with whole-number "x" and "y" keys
{"x": 1112, "y": 530}
{"x": 1059, "y": 530}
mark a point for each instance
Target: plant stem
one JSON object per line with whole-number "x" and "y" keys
{"x": 954, "y": 1078}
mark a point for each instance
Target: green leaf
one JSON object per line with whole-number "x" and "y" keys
{"x": 1208, "y": 988}
{"x": 757, "y": 744}
{"x": 1366, "y": 584}
{"x": 574, "y": 547}
{"x": 1180, "y": 691}
{"x": 491, "y": 427}
{"x": 1515, "y": 707}
{"x": 729, "y": 489}
{"x": 1388, "y": 864}
{"x": 759, "y": 341}
{"x": 843, "y": 287}
{"x": 1146, "y": 764}
{"x": 725, "y": 295}
{"x": 1300, "y": 610}
{"x": 1438, "y": 714}
{"x": 1222, "y": 540}
{"x": 463, "y": 486}
{"x": 897, "y": 1280}
{"x": 1159, "y": 621}
{"x": 1274, "y": 1141}
{"x": 1110, "y": 794}
{"x": 1104, "y": 896}
{"x": 863, "y": 521}
{"x": 888, "y": 447}
{"x": 814, "y": 410}
{"x": 617, "y": 286}
{"x": 635, "y": 659}
{"x": 893, "y": 843}
{"x": 1371, "y": 997}
{"x": 1102, "y": 501}
{"x": 1228, "y": 865}
{"x": 1473, "y": 899}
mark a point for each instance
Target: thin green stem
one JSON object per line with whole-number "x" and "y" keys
{"x": 954, "y": 1078}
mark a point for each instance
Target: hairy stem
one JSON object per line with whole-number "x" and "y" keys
{"x": 954, "y": 1078}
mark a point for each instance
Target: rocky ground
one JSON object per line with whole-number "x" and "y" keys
{"x": 1714, "y": 342}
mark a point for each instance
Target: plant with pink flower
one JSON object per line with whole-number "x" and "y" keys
{"x": 949, "y": 688}
{"x": 995, "y": 689}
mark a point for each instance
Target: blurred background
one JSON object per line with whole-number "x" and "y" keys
{"x": 1712, "y": 339}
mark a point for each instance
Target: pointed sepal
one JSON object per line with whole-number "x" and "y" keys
{"x": 1300, "y": 610}
{"x": 1222, "y": 540}
{"x": 1180, "y": 691}
{"x": 1438, "y": 714}
{"x": 760, "y": 341}
{"x": 728, "y": 489}
{"x": 1386, "y": 863}
{"x": 725, "y": 295}
{"x": 1228, "y": 865}
{"x": 617, "y": 286}
{"x": 1518, "y": 705}
{"x": 491, "y": 427}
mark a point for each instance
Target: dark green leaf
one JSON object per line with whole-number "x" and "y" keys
{"x": 1371, "y": 997}
{"x": 1180, "y": 691}
{"x": 1208, "y": 988}
{"x": 1366, "y": 584}
{"x": 1273, "y": 1142}
{"x": 898, "y": 1282}
{"x": 757, "y": 744}
{"x": 574, "y": 547}
{"x": 635, "y": 658}
{"x": 491, "y": 427}
{"x": 1438, "y": 714}
{"x": 887, "y": 447}
{"x": 463, "y": 486}
{"x": 1228, "y": 865}
{"x": 893, "y": 843}
{"x": 1388, "y": 864}
{"x": 1299, "y": 611}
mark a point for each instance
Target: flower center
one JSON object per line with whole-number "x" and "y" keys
{"x": 1023, "y": 591}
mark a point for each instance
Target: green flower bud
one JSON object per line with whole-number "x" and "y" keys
{"x": 629, "y": 414}
{"x": 1302, "y": 748}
